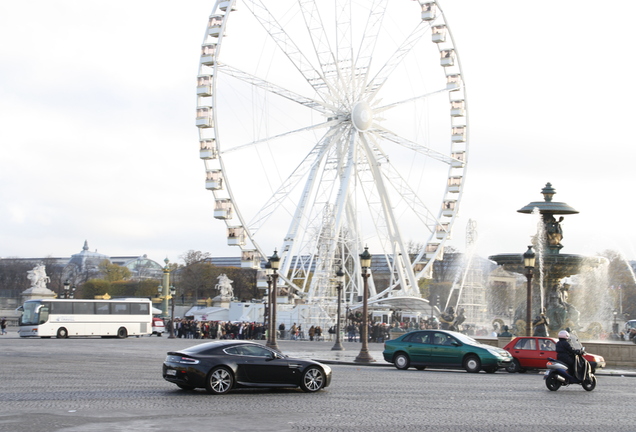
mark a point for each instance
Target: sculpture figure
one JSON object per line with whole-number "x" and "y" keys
{"x": 225, "y": 286}
{"x": 447, "y": 318}
{"x": 553, "y": 230}
{"x": 38, "y": 276}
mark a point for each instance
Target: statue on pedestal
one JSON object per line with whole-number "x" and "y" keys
{"x": 225, "y": 286}
{"x": 38, "y": 289}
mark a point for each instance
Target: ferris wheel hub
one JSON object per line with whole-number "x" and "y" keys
{"x": 362, "y": 116}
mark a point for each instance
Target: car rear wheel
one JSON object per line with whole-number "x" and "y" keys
{"x": 62, "y": 333}
{"x": 402, "y": 361}
{"x": 313, "y": 379}
{"x": 220, "y": 381}
{"x": 514, "y": 366}
{"x": 472, "y": 364}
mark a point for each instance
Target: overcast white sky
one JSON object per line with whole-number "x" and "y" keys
{"x": 98, "y": 139}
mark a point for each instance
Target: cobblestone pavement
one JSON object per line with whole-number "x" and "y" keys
{"x": 91, "y": 385}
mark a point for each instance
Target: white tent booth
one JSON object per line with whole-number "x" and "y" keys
{"x": 209, "y": 314}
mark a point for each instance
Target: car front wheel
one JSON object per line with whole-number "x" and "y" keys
{"x": 313, "y": 380}
{"x": 402, "y": 361}
{"x": 220, "y": 381}
{"x": 472, "y": 364}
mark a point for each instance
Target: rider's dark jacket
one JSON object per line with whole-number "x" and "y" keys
{"x": 565, "y": 352}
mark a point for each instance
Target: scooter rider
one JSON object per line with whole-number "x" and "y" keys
{"x": 565, "y": 353}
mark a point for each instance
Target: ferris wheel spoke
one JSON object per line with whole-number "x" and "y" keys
{"x": 322, "y": 107}
{"x": 410, "y": 197}
{"x": 319, "y": 39}
{"x": 385, "y": 72}
{"x": 327, "y": 124}
{"x": 409, "y": 100}
{"x": 287, "y": 45}
{"x": 390, "y": 136}
{"x": 310, "y": 164}
{"x": 368, "y": 42}
{"x": 397, "y": 246}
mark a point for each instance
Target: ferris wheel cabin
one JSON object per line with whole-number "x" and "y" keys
{"x": 204, "y": 85}
{"x": 208, "y": 150}
{"x": 438, "y": 33}
{"x": 223, "y": 208}
{"x": 429, "y": 11}
{"x": 214, "y": 179}
{"x": 235, "y": 236}
{"x": 214, "y": 26}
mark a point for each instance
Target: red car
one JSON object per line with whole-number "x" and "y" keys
{"x": 531, "y": 352}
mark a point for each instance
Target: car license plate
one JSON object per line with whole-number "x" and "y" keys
{"x": 171, "y": 372}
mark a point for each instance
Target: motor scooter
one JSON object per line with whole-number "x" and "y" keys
{"x": 557, "y": 374}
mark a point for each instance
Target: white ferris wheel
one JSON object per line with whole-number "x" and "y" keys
{"x": 327, "y": 126}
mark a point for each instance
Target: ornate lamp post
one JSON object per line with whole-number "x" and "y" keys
{"x": 365, "y": 263}
{"x": 67, "y": 286}
{"x": 615, "y": 325}
{"x": 274, "y": 262}
{"x": 166, "y": 287}
{"x": 528, "y": 262}
{"x": 268, "y": 273}
{"x": 340, "y": 277}
{"x": 173, "y": 292}
{"x": 510, "y": 315}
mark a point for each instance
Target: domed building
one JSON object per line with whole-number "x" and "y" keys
{"x": 84, "y": 265}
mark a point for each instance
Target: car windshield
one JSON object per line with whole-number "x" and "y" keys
{"x": 464, "y": 339}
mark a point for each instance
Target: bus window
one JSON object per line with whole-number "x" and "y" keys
{"x": 44, "y": 314}
{"x": 102, "y": 308}
{"x": 62, "y": 308}
{"x": 121, "y": 308}
{"x": 140, "y": 309}
{"x": 83, "y": 308}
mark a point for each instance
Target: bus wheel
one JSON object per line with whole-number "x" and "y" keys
{"x": 122, "y": 333}
{"x": 62, "y": 333}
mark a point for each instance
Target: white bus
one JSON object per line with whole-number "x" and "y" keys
{"x": 74, "y": 317}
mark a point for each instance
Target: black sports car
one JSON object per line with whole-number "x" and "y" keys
{"x": 223, "y": 365}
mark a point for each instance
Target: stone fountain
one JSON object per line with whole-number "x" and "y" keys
{"x": 551, "y": 291}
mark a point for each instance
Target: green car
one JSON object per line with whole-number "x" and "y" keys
{"x": 444, "y": 349}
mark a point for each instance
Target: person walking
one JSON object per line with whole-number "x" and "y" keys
{"x": 3, "y": 326}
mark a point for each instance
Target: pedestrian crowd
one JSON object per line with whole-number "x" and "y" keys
{"x": 193, "y": 329}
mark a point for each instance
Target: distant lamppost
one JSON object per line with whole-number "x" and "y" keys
{"x": 340, "y": 278}
{"x": 165, "y": 294}
{"x": 67, "y": 286}
{"x": 274, "y": 262}
{"x": 365, "y": 263}
{"x": 510, "y": 314}
{"x": 528, "y": 262}
{"x": 173, "y": 292}
{"x": 615, "y": 325}
{"x": 268, "y": 273}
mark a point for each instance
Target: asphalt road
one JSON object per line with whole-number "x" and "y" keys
{"x": 92, "y": 385}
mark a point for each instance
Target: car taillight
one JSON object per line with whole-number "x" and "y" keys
{"x": 187, "y": 360}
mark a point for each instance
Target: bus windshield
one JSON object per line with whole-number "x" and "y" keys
{"x": 34, "y": 313}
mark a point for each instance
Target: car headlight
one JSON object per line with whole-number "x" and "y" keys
{"x": 499, "y": 353}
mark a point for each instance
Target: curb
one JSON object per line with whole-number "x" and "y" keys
{"x": 619, "y": 374}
